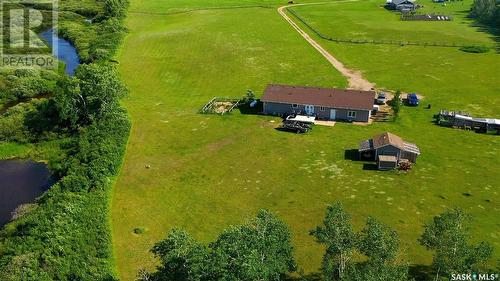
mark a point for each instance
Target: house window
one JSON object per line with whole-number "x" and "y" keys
{"x": 351, "y": 114}
{"x": 322, "y": 108}
{"x": 295, "y": 105}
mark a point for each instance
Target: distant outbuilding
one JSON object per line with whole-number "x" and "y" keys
{"x": 401, "y": 5}
{"x": 389, "y": 150}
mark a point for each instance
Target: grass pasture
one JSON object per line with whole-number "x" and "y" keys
{"x": 369, "y": 20}
{"x": 207, "y": 172}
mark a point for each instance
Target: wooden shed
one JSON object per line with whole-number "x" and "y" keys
{"x": 388, "y": 150}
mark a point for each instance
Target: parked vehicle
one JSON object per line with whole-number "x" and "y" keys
{"x": 299, "y": 124}
{"x": 381, "y": 98}
{"x": 412, "y": 99}
{"x": 301, "y": 118}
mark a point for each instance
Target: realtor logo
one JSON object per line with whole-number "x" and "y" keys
{"x": 21, "y": 28}
{"x": 474, "y": 277}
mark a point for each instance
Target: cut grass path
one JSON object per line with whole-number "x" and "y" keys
{"x": 355, "y": 78}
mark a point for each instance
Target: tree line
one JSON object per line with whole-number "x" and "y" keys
{"x": 67, "y": 236}
{"x": 486, "y": 12}
{"x": 261, "y": 249}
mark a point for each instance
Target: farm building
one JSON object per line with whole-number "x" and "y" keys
{"x": 323, "y": 103}
{"x": 388, "y": 150}
{"x": 401, "y": 5}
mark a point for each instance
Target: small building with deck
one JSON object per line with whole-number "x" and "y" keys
{"x": 323, "y": 103}
{"x": 401, "y": 5}
{"x": 388, "y": 150}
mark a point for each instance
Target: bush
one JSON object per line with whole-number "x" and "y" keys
{"x": 26, "y": 83}
{"x": 67, "y": 237}
{"x": 139, "y": 230}
{"x": 475, "y": 49}
{"x": 12, "y": 124}
{"x": 26, "y": 72}
{"x": 116, "y": 8}
{"x": 396, "y": 104}
{"x": 69, "y": 228}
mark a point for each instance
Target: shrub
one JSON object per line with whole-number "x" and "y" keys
{"x": 116, "y": 8}
{"x": 396, "y": 104}
{"x": 475, "y": 49}
{"x": 67, "y": 237}
{"x": 26, "y": 72}
{"x": 12, "y": 124}
{"x": 139, "y": 230}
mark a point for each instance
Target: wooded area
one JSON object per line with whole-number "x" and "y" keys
{"x": 67, "y": 236}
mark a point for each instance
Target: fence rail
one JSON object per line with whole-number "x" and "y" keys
{"x": 384, "y": 41}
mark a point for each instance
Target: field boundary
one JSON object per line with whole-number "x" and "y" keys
{"x": 382, "y": 41}
{"x": 201, "y": 9}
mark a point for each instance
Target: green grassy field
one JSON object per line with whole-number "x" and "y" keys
{"x": 370, "y": 20}
{"x": 208, "y": 172}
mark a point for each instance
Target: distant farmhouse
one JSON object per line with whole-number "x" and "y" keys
{"x": 323, "y": 103}
{"x": 403, "y": 6}
{"x": 388, "y": 150}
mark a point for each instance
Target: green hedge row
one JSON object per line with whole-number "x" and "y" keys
{"x": 67, "y": 235}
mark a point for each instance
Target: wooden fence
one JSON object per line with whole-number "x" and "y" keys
{"x": 382, "y": 41}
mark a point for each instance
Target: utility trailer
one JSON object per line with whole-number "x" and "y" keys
{"x": 463, "y": 120}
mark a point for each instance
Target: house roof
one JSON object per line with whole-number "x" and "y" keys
{"x": 327, "y": 97}
{"x": 387, "y": 138}
{"x": 365, "y": 145}
{"x": 411, "y": 147}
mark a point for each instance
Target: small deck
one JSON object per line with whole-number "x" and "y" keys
{"x": 387, "y": 162}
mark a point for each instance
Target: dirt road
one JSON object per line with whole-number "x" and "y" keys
{"x": 355, "y": 78}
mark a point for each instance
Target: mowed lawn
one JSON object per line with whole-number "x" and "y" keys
{"x": 370, "y": 20}
{"x": 208, "y": 172}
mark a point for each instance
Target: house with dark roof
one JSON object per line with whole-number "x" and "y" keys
{"x": 401, "y": 5}
{"x": 388, "y": 150}
{"x": 323, "y": 103}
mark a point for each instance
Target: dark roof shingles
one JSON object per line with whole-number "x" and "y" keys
{"x": 327, "y": 97}
{"x": 387, "y": 138}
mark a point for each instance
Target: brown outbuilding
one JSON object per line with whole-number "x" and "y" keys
{"x": 388, "y": 150}
{"x": 323, "y": 103}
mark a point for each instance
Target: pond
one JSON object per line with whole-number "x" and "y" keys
{"x": 65, "y": 51}
{"x": 21, "y": 182}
